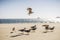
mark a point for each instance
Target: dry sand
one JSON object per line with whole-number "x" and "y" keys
{"x": 5, "y": 30}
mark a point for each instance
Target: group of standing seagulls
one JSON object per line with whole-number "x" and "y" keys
{"x": 32, "y": 28}
{"x": 48, "y": 28}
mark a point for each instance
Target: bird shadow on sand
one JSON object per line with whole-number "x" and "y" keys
{"x": 15, "y": 35}
{"x": 20, "y": 34}
{"x": 47, "y": 31}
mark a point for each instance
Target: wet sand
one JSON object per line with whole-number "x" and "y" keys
{"x": 5, "y": 30}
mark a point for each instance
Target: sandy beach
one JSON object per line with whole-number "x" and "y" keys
{"x": 5, "y": 30}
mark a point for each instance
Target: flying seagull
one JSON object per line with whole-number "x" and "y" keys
{"x": 29, "y": 11}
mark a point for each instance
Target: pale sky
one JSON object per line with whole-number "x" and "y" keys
{"x": 18, "y": 8}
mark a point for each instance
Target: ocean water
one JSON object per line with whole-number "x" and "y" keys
{"x": 20, "y": 21}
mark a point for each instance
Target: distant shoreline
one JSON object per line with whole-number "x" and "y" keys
{"x": 20, "y": 21}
